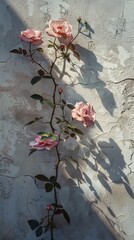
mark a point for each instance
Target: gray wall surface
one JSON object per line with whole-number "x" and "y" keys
{"x": 100, "y": 203}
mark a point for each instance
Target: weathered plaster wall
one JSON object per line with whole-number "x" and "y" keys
{"x": 106, "y": 60}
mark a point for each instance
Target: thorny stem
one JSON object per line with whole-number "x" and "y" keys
{"x": 32, "y": 58}
{"x": 51, "y": 125}
{"x": 51, "y": 119}
{"x": 53, "y": 130}
{"x": 79, "y": 31}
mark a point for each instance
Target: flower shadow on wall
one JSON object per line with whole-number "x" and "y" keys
{"x": 97, "y": 233}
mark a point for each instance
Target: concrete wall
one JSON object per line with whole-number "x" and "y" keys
{"x": 100, "y": 203}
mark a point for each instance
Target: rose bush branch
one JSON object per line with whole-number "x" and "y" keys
{"x": 61, "y": 31}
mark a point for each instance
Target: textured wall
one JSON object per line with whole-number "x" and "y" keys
{"x": 100, "y": 203}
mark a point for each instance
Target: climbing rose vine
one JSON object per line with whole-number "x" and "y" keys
{"x": 60, "y": 128}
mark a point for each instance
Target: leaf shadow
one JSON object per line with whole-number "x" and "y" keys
{"x": 90, "y": 75}
{"x": 92, "y": 220}
{"x": 108, "y": 156}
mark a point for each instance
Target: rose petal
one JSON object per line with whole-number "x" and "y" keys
{"x": 32, "y": 36}
{"x": 65, "y": 41}
{"x": 84, "y": 113}
{"x": 51, "y": 33}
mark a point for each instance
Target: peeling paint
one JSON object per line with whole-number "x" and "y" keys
{"x": 123, "y": 55}
{"x": 60, "y": 9}
{"x": 98, "y": 191}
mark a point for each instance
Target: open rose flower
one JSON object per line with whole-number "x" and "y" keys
{"x": 60, "y": 29}
{"x": 39, "y": 144}
{"x": 84, "y": 113}
{"x": 31, "y": 36}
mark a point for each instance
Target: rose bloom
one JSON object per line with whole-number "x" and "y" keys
{"x": 31, "y": 36}
{"x": 49, "y": 207}
{"x": 60, "y": 90}
{"x": 39, "y": 144}
{"x": 60, "y": 29}
{"x": 84, "y": 113}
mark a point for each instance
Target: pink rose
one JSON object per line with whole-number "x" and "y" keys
{"x": 84, "y": 113}
{"x": 60, "y": 29}
{"x": 49, "y": 207}
{"x": 60, "y": 90}
{"x": 39, "y": 144}
{"x": 31, "y": 36}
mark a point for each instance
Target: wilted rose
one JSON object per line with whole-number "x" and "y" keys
{"x": 39, "y": 144}
{"x": 60, "y": 29}
{"x": 31, "y": 36}
{"x": 84, "y": 113}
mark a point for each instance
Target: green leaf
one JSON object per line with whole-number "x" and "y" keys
{"x": 42, "y": 178}
{"x": 50, "y": 45}
{"x": 21, "y": 50}
{"x": 45, "y": 134}
{"x": 38, "y": 118}
{"x": 49, "y": 103}
{"x": 32, "y": 151}
{"x": 44, "y": 138}
{"x": 65, "y": 131}
{"x": 68, "y": 59}
{"x": 58, "y": 119}
{"x": 37, "y": 97}
{"x": 47, "y": 76}
{"x": 66, "y": 216}
{"x": 35, "y": 80}
{"x": 40, "y": 50}
{"x": 33, "y": 121}
{"x": 17, "y": 51}
{"x": 38, "y": 231}
{"x": 53, "y": 137}
{"x": 74, "y": 129}
{"x": 29, "y": 123}
{"x": 49, "y": 187}
{"x": 67, "y": 55}
{"x": 52, "y": 224}
{"x": 57, "y": 185}
{"x": 58, "y": 211}
{"x": 63, "y": 101}
{"x": 42, "y": 101}
{"x": 53, "y": 43}
{"x": 72, "y": 135}
{"x": 71, "y": 106}
{"x": 72, "y": 47}
{"x": 41, "y": 72}
{"x": 52, "y": 179}
{"x": 33, "y": 224}
{"x": 24, "y": 52}
{"x": 57, "y": 205}
{"x": 76, "y": 55}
